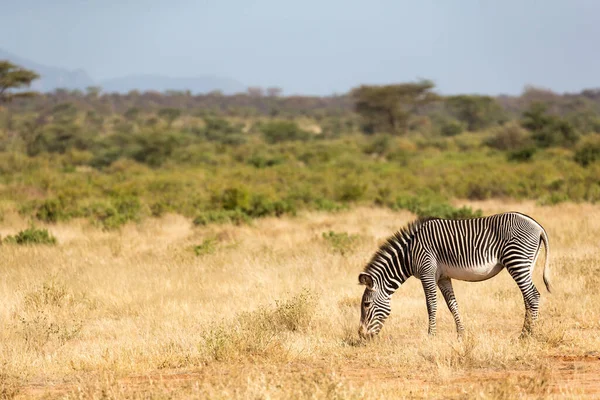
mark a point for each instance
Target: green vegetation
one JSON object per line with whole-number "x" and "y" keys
{"x": 340, "y": 242}
{"x": 208, "y": 246}
{"x": 30, "y": 236}
{"x": 115, "y": 159}
{"x": 13, "y": 77}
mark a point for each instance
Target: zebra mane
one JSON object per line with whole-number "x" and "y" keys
{"x": 404, "y": 235}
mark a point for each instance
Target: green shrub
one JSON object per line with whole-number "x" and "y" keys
{"x": 159, "y": 208}
{"x": 220, "y": 130}
{"x": 351, "y": 190}
{"x": 283, "y": 131}
{"x": 32, "y": 235}
{"x": 452, "y": 128}
{"x": 322, "y": 204}
{"x": 114, "y": 214}
{"x": 378, "y": 144}
{"x": 433, "y": 207}
{"x": 548, "y": 130}
{"x": 262, "y": 206}
{"x": 51, "y": 210}
{"x": 208, "y": 246}
{"x": 235, "y": 198}
{"x": 264, "y": 160}
{"x": 340, "y": 242}
{"x": 236, "y": 217}
{"x": 510, "y": 136}
{"x": 588, "y": 152}
{"x": 522, "y": 155}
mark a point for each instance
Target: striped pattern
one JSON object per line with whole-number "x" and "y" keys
{"x": 439, "y": 250}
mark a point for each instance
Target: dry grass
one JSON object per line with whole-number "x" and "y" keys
{"x": 271, "y": 311}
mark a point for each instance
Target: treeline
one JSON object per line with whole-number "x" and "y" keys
{"x": 578, "y": 107}
{"x": 118, "y": 158}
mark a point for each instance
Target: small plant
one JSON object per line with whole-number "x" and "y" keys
{"x": 208, "y": 246}
{"x": 340, "y": 242}
{"x": 293, "y": 314}
{"x": 31, "y": 236}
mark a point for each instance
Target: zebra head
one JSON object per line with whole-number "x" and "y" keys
{"x": 374, "y": 307}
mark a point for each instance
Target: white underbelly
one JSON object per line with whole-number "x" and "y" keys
{"x": 473, "y": 273}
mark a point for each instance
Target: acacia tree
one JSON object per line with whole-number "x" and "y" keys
{"x": 13, "y": 77}
{"x": 388, "y": 108}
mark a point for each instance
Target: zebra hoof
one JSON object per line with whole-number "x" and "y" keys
{"x": 525, "y": 335}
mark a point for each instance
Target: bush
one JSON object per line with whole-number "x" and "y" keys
{"x": 522, "y": 155}
{"x": 350, "y": 190}
{"x": 432, "y": 207}
{"x": 329, "y": 205}
{"x": 588, "y": 152}
{"x": 561, "y": 133}
{"x": 283, "y": 131}
{"x": 51, "y": 210}
{"x": 116, "y": 213}
{"x": 510, "y": 136}
{"x": 32, "y": 235}
{"x": 340, "y": 242}
{"x": 378, "y": 144}
{"x": 548, "y": 130}
{"x": 264, "y": 160}
{"x": 452, "y": 128}
{"x": 234, "y": 198}
{"x": 262, "y": 206}
{"x": 255, "y": 206}
{"x": 236, "y": 217}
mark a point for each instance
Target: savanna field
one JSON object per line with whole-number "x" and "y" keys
{"x": 166, "y": 309}
{"x": 175, "y": 246}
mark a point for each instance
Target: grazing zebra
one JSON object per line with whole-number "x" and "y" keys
{"x": 437, "y": 250}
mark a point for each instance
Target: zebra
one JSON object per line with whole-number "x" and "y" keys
{"x": 436, "y": 250}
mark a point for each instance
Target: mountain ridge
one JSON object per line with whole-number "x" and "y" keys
{"x": 52, "y": 78}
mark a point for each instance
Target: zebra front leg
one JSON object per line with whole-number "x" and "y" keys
{"x": 431, "y": 300}
{"x": 445, "y": 285}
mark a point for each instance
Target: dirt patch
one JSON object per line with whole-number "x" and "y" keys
{"x": 565, "y": 375}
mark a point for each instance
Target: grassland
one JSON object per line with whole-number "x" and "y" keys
{"x": 166, "y": 309}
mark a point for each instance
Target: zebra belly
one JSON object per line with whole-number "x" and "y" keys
{"x": 474, "y": 273}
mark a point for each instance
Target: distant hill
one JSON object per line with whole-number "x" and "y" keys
{"x": 52, "y": 78}
{"x": 200, "y": 84}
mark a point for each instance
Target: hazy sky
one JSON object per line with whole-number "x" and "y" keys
{"x": 318, "y": 46}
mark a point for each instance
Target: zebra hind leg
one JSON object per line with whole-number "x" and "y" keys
{"x": 445, "y": 285}
{"x": 531, "y": 297}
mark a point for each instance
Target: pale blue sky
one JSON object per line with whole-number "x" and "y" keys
{"x": 318, "y": 46}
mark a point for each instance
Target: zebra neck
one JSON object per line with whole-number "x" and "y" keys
{"x": 389, "y": 272}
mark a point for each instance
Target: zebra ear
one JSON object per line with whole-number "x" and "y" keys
{"x": 366, "y": 280}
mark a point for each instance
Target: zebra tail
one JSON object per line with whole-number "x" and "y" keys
{"x": 544, "y": 238}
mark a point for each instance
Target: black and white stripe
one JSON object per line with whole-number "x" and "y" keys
{"x": 438, "y": 250}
